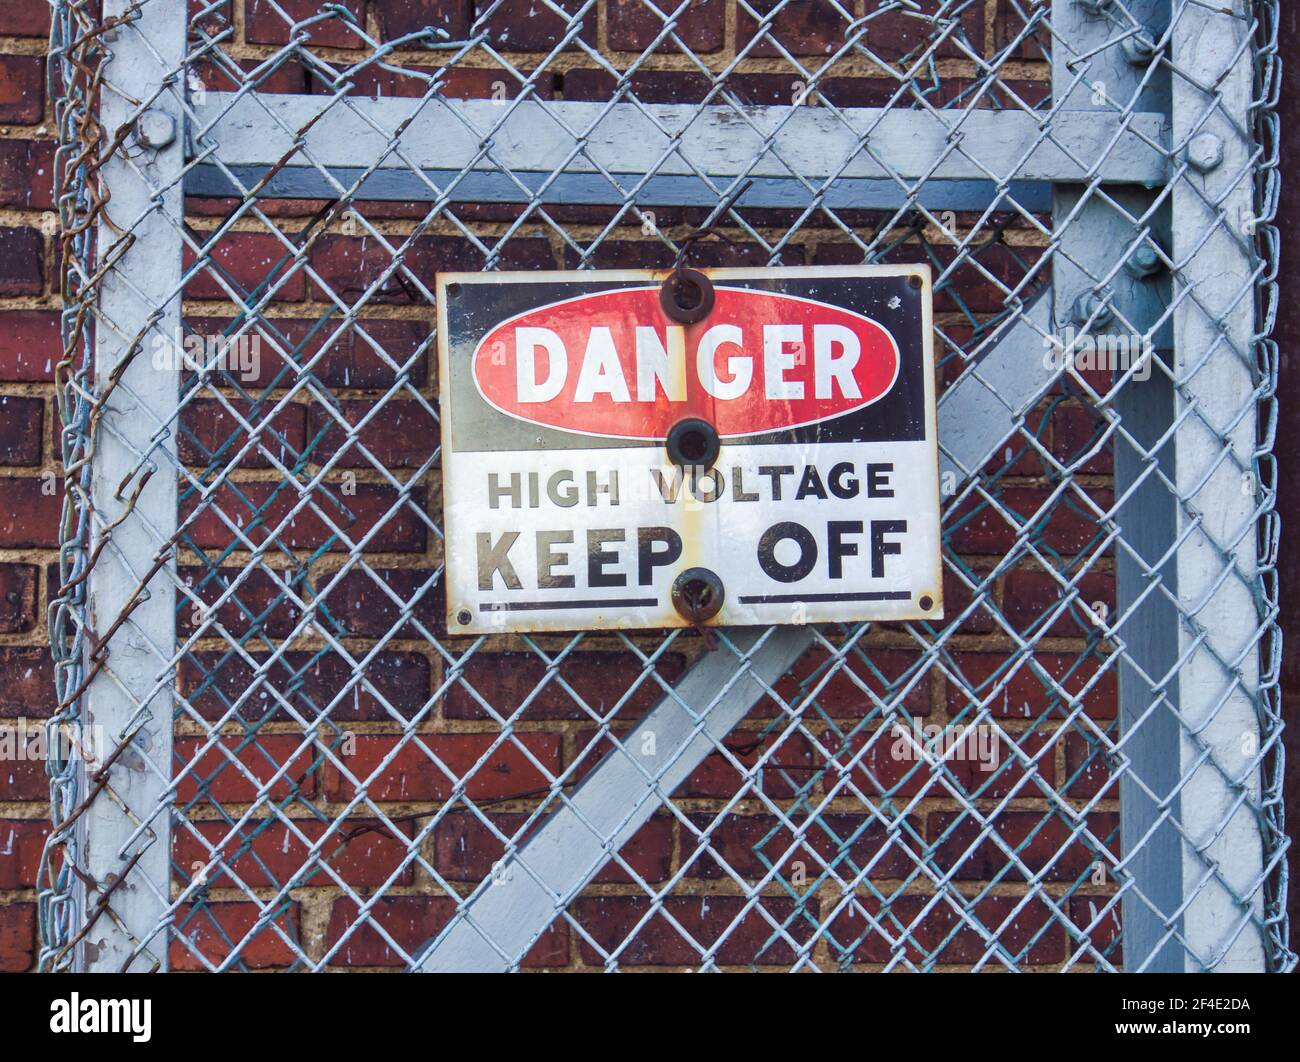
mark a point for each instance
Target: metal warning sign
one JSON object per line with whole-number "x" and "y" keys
{"x": 678, "y": 448}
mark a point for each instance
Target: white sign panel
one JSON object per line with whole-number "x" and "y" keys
{"x": 757, "y": 448}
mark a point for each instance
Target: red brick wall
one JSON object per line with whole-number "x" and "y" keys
{"x": 29, "y": 502}
{"x": 408, "y": 670}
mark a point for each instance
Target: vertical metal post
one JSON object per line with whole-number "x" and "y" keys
{"x": 1214, "y": 326}
{"x": 125, "y": 834}
{"x": 1093, "y": 233}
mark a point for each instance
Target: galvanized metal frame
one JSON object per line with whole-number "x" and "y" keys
{"x": 130, "y": 692}
{"x": 1107, "y": 163}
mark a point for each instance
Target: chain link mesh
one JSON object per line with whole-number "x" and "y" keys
{"x": 345, "y": 775}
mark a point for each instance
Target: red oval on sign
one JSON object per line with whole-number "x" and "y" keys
{"x": 613, "y": 364}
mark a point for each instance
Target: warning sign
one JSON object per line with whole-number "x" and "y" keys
{"x": 654, "y": 449}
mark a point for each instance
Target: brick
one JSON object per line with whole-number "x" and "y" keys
{"x": 800, "y": 28}
{"x": 212, "y": 15}
{"x": 631, "y": 26}
{"x": 527, "y": 26}
{"x": 401, "y": 433}
{"x": 355, "y": 604}
{"x": 610, "y": 921}
{"x": 211, "y": 776}
{"x": 21, "y": 842}
{"x": 919, "y": 930}
{"x": 652, "y": 254}
{"x": 361, "y": 605}
{"x": 462, "y": 83}
{"x": 30, "y": 346}
{"x": 312, "y": 683}
{"x": 1102, "y": 927}
{"x": 350, "y": 265}
{"x": 27, "y": 174}
{"x": 957, "y": 597}
{"x": 848, "y": 691}
{"x": 217, "y": 931}
{"x": 397, "y": 18}
{"x": 1065, "y": 525}
{"x": 402, "y": 531}
{"x": 648, "y": 86}
{"x": 23, "y": 781}
{"x": 264, "y": 25}
{"x": 244, "y": 261}
{"x": 413, "y": 921}
{"x": 1030, "y": 595}
{"x": 970, "y": 762}
{"x": 364, "y": 853}
{"x": 22, "y": 89}
{"x": 413, "y": 775}
{"x": 258, "y": 604}
{"x": 896, "y": 35}
{"x": 1076, "y": 431}
{"x": 211, "y": 433}
{"x": 22, "y": 262}
{"x": 1041, "y": 840}
{"x": 790, "y": 763}
{"x": 467, "y": 851}
{"x": 27, "y": 682}
{"x": 30, "y": 515}
{"x": 17, "y": 598}
{"x": 17, "y": 937}
{"x": 967, "y": 288}
{"x": 226, "y": 76}
{"x": 1086, "y": 769}
{"x": 25, "y": 18}
{"x": 20, "y": 430}
{"x": 366, "y": 355}
{"x": 751, "y": 844}
{"x": 1009, "y": 25}
{"x": 598, "y": 679}
{"x": 1026, "y": 695}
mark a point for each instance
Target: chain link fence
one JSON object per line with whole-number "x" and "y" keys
{"x": 272, "y": 754}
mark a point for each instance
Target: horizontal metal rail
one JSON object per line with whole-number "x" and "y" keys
{"x": 484, "y": 150}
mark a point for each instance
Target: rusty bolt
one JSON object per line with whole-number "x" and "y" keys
{"x": 697, "y": 595}
{"x": 155, "y": 129}
{"x": 686, "y": 296}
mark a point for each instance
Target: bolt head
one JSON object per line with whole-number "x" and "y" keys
{"x": 1139, "y": 49}
{"x": 1205, "y": 152}
{"x": 1090, "y": 306}
{"x": 155, "y": 129}
{"x": 1144, "y": 262}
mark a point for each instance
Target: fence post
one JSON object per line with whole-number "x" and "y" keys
{"x": 1089, "y": 72}
{"x": 125, "y": 831}
{"x": 1216, "y": 378}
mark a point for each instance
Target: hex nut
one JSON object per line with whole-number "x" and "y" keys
{"x": 1205, "y": 152}
{"x": 155, "y": 129}
{"x": 1144, "y": 262}
{"x": 1090, "y": 303}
